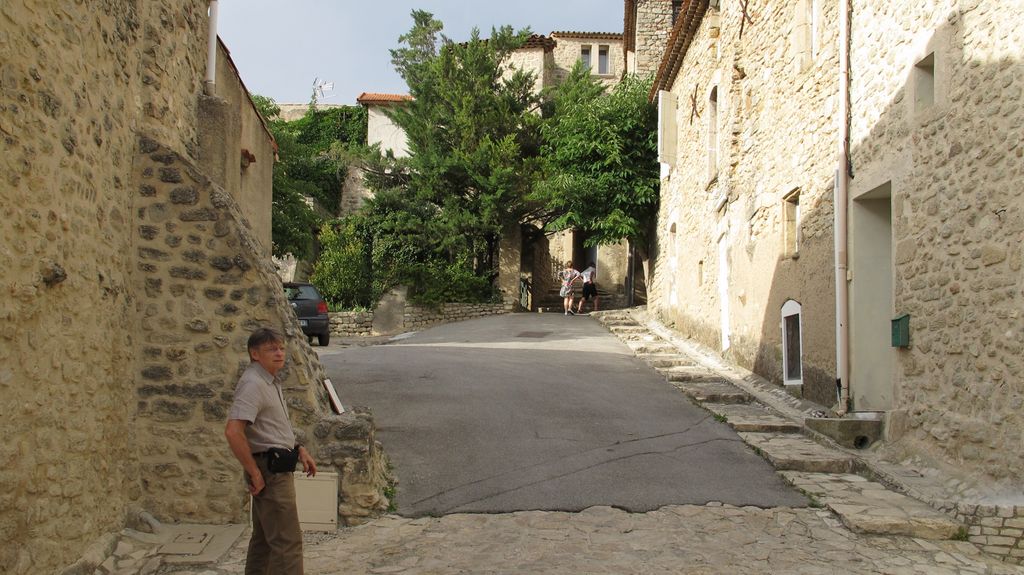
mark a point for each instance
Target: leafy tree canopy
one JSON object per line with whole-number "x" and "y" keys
{"x": 312, "y": 160}
{"x": 600, "y": 150}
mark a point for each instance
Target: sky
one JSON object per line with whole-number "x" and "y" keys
{"x": 281, "y": 46}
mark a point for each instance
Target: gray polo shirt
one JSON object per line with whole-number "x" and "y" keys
{"x": 259, "y": 400}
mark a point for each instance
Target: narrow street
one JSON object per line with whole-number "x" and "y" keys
{"x": 528, "y": 412}
{"x": 626, "y": 475}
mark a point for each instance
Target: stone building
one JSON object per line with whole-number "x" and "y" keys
{"x": 135, "y": 244}
{"x": 936, "y": 224}
{"x": 763, "y": 135}
{"x": 745, "y": 252}
{"x": 381, "y": 131}
{"x": 646, "y": 27}
{"x": 538, "y": 257}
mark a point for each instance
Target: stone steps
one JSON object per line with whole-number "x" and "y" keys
{"x": 752, "y": 418}
{"x": 868, "y": 507}
{"x": 643, "y": 348}
{"x": 794, "y": 452}
{"x": 668, "y": 360}
{"x": 689, "y": 373}
{"x": 713, "y": 392}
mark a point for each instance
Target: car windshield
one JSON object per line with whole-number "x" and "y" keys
{"x": 301, "y": 292}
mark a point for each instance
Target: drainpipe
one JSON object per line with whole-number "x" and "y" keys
{"x": 211, "y": 52}
{"x": 840, "y": 214}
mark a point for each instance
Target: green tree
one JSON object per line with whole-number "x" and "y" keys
{"x": 600, "y": 150}
{"x": 313, "y": 154}
{"x": 473, "y": 144}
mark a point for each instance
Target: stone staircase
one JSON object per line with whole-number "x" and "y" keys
{"x": 771, "y": 422}
{"x": 550, "y": 302}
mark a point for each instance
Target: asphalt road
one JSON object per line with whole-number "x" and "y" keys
{"x": 542, "y": 412}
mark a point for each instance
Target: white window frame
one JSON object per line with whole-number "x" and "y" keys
{"x": 606, "y": 69}
{"x": 789, "y": 309}
{"x": 587, "y": 56}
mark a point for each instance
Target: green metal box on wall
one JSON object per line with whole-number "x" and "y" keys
{"x": 901, "y": 331}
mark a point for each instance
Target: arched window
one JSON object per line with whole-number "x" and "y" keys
{"x": 792, "y": 345}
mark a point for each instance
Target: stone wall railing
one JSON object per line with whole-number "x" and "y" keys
{"x": 360, "y": 323}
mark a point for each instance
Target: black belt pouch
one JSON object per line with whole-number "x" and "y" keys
{"x": 282, "y": 460}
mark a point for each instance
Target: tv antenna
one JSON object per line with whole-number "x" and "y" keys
{"x": 322, "y": 89}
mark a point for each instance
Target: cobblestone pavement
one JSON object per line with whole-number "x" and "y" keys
{"x": 675, "y": 539}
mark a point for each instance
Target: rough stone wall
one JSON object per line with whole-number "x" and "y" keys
{"x": 653, "y": 26}
{"x": 347, "y": 323}
{"x": 97, "y": 347}
{"x": 75, "y": 80}
{"x": 354, "y": 192}
{"x": 206, "y": 288}
{"x": 567, "y": 53}
{"x": 958, "y": 220}
{"x": 775, "y": 135}
{"x": 360, "y": 323}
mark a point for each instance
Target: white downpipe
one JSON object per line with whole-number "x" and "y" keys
{"x": 211, "y": 52}
{"x": 840, "y": 214}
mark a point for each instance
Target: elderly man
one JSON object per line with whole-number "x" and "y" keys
{"x": 261, "y": 437}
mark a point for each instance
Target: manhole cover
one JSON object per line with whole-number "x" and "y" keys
{"x": 536, "y": 334}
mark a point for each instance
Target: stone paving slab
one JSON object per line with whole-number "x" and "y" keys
{"x": 868, "y": 507}
{"x": 752, "y": 418}
{"x": 793, "y": 452}
{"x": 713, "y": 392}
{"x": 650, "y": 347}
{"x": 657, "y": 360}
{"x": 686, "y": 373}
{"x": 698, "y": 540}
{"x": 628, "y": 329}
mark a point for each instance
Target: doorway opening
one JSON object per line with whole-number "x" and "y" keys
{"x": 792, "y": 346}
{"x": 871, "y": 300}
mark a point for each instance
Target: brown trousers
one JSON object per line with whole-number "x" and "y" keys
{"x": 275, "y": 547}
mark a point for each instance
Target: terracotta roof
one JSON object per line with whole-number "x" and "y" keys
{"x": 374, "y": 98}
{"x": 589, "y": 35}
{"x": 538, "y": 41}
{"x": 687, "y": 24}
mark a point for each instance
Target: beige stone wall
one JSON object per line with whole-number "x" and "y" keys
{"x": 206, "y": 288}
{"x": 567, "y": 53}
{"x": 958, "y": 218}
{"x": 653, "y": 26}
{"x": 414, "y": 317}
{"x": 775, "y": 135}
{"x": 249, "y": 155}
{"x": 354, "y": 192}
{"x": 75, "y": 81}
{"x": 131, "y": 280}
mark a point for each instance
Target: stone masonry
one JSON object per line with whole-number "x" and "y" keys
{"x": 76, "y": 80}
{"x": 206, "y": 288}
{"x": 644, "y": 50}
{"x": 952, "y": 158}
{"x": 414, "y": 318}
{"x": 754, "y": 127}
{"x": 131, "y": 281}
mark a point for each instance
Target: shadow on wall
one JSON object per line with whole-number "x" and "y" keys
{"x": 940, "y": 171}
{"x": 935, "y": 231}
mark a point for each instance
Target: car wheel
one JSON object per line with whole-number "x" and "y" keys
{"x": 324, "y": 339}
